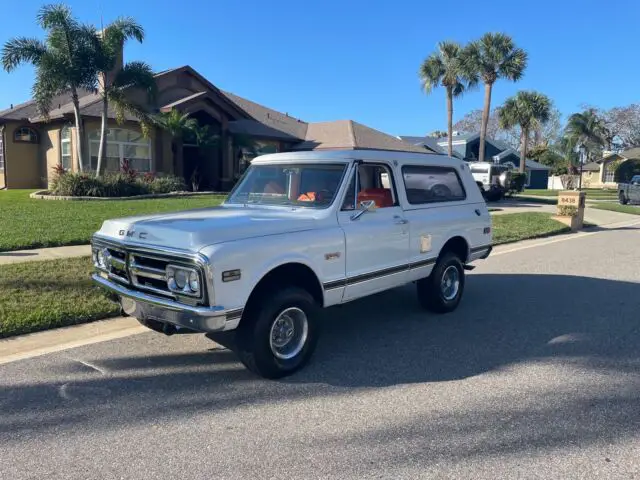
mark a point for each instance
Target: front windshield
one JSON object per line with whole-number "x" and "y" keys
{"x": 312, "y": 185}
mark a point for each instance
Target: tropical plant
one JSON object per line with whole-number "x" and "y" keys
{"x": 178, "y": 125}
{"x": 588, "y": 129}
{"x": 116, "y": 80}
{"x": 63, "y": 61}
{"x": 528, "y": 110}
{"x": 492, "y": 57}
{"x": 437, "y": 134}
{"x": 444, "y": 68}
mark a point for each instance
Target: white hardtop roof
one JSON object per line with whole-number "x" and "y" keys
{"x": 333, "y": 156}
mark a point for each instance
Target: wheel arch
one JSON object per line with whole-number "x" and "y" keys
{"x": 290, "y": 273}
{"x": 458, "y": 245}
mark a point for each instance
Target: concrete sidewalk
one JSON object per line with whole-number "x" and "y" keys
{"x": 40, "y": 254}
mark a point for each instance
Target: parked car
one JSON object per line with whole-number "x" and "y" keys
{"x": 629, "y": 192}
{"x": 299, "y": 232}
{"x": 493, "y": 179}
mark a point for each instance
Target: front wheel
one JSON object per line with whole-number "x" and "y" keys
{"x": 622, "y": 198}
{"x": 279, "y": 334}
{"x": 441, "y": 291}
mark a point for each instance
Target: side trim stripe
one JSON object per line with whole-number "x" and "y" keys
{"x": 378, "y": 274}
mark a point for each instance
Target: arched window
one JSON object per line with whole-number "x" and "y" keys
{"x": 25, "y": 135}
{"x": 65, "y": 147}
{"x": 121, "y": 145}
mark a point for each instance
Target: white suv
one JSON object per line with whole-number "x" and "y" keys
{"x": 299, "y": 232}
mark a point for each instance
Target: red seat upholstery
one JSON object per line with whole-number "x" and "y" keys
{"x": 382, "y": 196}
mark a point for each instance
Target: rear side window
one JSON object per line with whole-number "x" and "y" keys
{"x": 425, "y": 184}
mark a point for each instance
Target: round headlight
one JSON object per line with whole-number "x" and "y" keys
{"x": 181, "y": 278}
{"x": 194, "y": 282}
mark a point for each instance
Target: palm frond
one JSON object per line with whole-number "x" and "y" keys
{"x": 56, "y": 16}
{"x": 22, "y": 50}
{"x": 124, "y": 28}
{"x": 136, "y": 75}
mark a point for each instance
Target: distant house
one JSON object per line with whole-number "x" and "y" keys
{"x": 429, "y": 143}
{"x": 466, "y": 147}
{"x": 601, "y": 173}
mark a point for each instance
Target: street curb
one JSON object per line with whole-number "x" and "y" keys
{"x": 36, "y": 344}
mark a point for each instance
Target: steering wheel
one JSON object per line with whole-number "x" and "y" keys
{"x": 324, "y": 195}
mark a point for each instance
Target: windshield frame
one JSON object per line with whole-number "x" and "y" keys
{"x": 292, "y": 164}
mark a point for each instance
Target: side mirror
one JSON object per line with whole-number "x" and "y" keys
{"x": 365, "y": 206}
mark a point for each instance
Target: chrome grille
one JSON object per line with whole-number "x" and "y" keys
{"x": 143, "y": 270}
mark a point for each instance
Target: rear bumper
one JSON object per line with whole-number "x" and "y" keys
{"x": 149, "y": 307}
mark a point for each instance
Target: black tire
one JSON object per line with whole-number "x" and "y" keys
{"x": 622, "y": 198}
{"x": 430, "y": 291}
{"x": 252, "y": 341}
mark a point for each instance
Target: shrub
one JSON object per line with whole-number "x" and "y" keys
{"x": 167, "y": 184}
{"x": 121, "y": 184}
{"x": 517, "y": 183}
{"x": 626, "y": 170}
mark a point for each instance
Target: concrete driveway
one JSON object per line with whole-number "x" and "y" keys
{"x": 537, "y": 375}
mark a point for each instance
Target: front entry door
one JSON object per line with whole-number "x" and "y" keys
{"x": 377, "y": 242}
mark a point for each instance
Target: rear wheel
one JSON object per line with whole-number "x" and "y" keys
{"x": 442, "y": 291}
{"x": 622, "y": 198}
{"x": 279, "y": 333}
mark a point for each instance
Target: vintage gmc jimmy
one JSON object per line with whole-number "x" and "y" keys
{"x": 299, "y": 232}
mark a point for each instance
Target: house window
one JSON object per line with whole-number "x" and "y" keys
{"x": 609, "y": 172}
{"x": 121, "y": 145}
{"x": 432, "y": 184}
{"x": 25, "y": 135}
{"x": 1, "y": 152}
{"x": 65, "y": 148}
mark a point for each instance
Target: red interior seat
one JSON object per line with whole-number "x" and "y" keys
{"x": 382, "y": 196}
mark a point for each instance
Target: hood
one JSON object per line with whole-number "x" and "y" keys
{"x": 194, "y": 229}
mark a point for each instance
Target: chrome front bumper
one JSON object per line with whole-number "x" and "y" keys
{"x": 149, "y": 307}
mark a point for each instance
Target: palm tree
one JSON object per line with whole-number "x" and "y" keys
{"x": 588, "y": 129}
{"x": 177, "y": 125}
{"x": 528, "y": 110}
{"x": 116, "y": 82}
{"x": 493, "y": 57}
{"x": 444, "y": 68}
{"x": 63, "y": 62}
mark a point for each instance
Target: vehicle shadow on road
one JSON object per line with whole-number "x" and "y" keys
{"x": 385, "y": 340}
{"x": 503, "y": 320}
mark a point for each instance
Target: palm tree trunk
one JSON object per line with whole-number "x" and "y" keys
{"x": 524, "y": 139}
{"x": 485, "y": 119}
{"x": 79, "y": 128}
{"x": 450, "y": 120}
{"x": 103, "y": 134}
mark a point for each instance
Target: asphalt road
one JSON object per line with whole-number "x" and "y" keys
{"x": 537, "y": 375}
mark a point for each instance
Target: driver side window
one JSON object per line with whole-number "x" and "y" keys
{"x": 375, "y": 182}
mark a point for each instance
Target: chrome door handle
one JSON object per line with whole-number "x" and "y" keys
{"x": 399, "y": 220}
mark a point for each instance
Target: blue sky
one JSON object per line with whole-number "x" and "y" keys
{"x": 355, "y": 59}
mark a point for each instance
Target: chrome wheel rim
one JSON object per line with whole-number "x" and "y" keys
{"x": 450, "y": 283}
{"x": 288, "y": 333}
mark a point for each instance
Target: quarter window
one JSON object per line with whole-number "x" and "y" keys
{"x": 432, "y": 184}
{"x": 65, "y": 148}
{"x": 375, "y": 182}
{"x": 25, "y": 135}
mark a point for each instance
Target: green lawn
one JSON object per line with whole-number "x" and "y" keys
{"x": 28, "y": 223}
{"x": 596, "y": 193}
{"x": 41, "y": 295}
{"x": 614, "y": 207}
{"x": 513, "y": 227}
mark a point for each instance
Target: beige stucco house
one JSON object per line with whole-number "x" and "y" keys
{"x": 601, "y": 173}
{"x": 31, "y": 146}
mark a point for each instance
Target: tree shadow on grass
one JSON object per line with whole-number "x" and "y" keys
{"x": 385, "y": 340}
